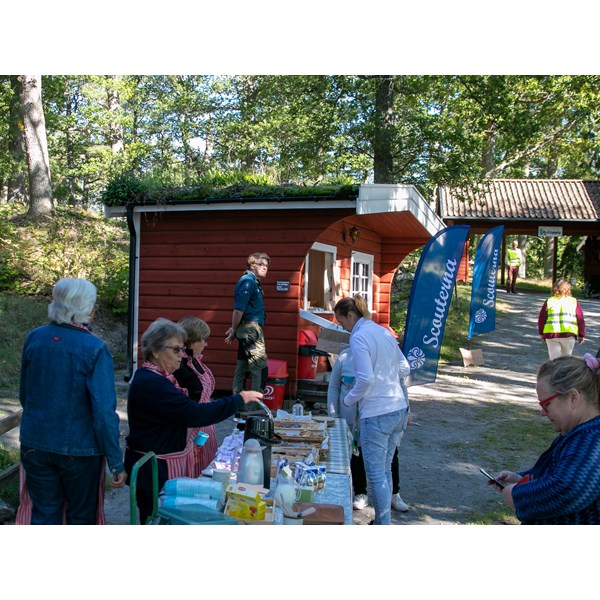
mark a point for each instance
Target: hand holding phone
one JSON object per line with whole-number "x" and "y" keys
{"x": 493, "y": 479}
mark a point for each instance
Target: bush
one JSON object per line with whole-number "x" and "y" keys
{"x": 34, "y": 253}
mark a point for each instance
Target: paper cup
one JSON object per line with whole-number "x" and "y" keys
{"x": 201, "y": 438}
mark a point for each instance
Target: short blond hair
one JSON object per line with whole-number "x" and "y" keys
{"x": 196, "y": 329}
{"x": 256, "y": 256}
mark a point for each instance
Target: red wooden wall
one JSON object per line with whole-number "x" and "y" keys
{"x": 190, "y": 262}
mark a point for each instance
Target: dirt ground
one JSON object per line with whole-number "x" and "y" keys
{"x": 460, "y": 423}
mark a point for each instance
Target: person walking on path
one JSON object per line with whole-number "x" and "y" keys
{"x": 70, "y": 427}
{"x": 561, "y": 322}
{"x": 379, "y": 366}
{"x": 247, "y": 322}
{"x": 513, "y": 261}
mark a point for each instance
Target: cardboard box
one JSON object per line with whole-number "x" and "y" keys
{"x": 332, "y": 340}
{"x": 472, "y": 358}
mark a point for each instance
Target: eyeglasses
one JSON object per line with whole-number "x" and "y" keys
{"x": 176, "y": 349}
{"x": 265, "y": 265}
{"x": 547, "y": 400}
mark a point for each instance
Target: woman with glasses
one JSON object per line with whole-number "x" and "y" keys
{"x": 160, "y": 412}
{"x": 563, "y": 487}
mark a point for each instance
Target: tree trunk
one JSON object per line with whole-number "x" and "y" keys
{"x": 383, "y": 159}
{"x": 115, "y": 129}
{"x": 488, "y": 159}
{"x": 70, "y": 154}
{"x": 548, "y": 257}
{"x": 16, "y": 187}
{"x": 36, "y": 145}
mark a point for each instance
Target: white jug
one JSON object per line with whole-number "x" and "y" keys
{"x": 251, "y": 463}
{"x": 287, "y": 491}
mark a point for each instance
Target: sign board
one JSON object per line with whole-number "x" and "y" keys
{"x": 282, "y": 286}
{"x": 333, "y": 341}
{"x": 550, "y": 231}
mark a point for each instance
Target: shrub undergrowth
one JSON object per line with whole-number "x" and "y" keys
{"x": 35, "y": 253}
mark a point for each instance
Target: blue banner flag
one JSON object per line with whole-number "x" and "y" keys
{"x": 429, "y": 302}
{"x": 485, "y": 275}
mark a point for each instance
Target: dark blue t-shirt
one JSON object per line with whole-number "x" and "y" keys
{"x": 248, "y": 298}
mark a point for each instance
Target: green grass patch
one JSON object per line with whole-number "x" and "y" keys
{"x": 495, "y": 517}
{"x": 18, "y": 314}
{"x": 9, "y": 493}
{"x": 457, "y": 321}
{"x": 515, "y": 436}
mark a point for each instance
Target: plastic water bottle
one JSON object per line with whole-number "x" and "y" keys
{"x": 251, "y": 463}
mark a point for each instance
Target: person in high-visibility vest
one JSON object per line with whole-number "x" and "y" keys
{"x": 561, "y": 322}
{"x": 513, "y": 262}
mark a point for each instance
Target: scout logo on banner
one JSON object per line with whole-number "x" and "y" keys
{"x": 430, "y": 301}
{"x": 485, "y": 275}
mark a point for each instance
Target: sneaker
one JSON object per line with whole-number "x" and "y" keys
{"x": 360, "y": 502}
{"x": 399, "y": 504}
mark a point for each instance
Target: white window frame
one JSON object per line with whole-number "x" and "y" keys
{"x": 332, "y": 284}
{"x": 361, "y": 258}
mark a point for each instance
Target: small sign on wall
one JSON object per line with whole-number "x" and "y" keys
{"x": 550, "y": 231}
{"x": 282, "y": 286}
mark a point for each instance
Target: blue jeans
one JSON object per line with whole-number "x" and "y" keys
{"x": 55, "y": 479}
{"x": 379, "y": 437}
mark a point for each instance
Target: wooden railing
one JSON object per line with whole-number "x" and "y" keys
{"x": 6, "y": 424}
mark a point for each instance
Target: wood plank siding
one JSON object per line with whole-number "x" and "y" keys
{"x": 190, "y": 261}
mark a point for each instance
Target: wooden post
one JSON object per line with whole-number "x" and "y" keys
{"x": 554, "y": 257}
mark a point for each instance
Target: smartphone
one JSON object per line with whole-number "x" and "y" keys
{"x": 491, "y": 478}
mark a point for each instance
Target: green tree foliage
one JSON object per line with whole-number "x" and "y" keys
{"x": 306, "y": 130}
{"x": 439, "y": 130}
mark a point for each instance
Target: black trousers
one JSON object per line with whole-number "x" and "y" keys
{"x": 359, "y": 477}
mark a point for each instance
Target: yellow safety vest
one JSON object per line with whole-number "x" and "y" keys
{"x": 562, "y": 315}
{"x": 514, "y": 258}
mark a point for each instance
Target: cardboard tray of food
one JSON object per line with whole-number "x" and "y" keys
{"x": 293, "y": 453}
{"x": 294, "y": 424}
{"x": 302, "y": 432}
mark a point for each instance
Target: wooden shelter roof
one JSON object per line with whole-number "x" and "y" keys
{"x": 524, "y": 204}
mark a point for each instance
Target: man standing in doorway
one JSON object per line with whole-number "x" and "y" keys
{"x": 247, "y": 322}
{"x": 513, "y": 261}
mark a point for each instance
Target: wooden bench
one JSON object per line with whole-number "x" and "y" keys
{"x": 6, "y": 424}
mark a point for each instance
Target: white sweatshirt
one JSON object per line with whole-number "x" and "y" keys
{"x": 379, "y": 366}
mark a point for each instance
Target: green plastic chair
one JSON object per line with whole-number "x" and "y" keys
{"x": 133, "y": 485}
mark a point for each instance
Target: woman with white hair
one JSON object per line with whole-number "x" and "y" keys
{"x": 69, "y": 427}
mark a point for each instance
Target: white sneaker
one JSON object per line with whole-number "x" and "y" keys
{"x": 399, "y": 504}
{"x": 360, "y": 502}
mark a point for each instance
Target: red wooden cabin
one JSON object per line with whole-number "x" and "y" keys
{"x": 187, "y": 257}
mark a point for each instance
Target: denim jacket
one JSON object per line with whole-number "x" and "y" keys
{"x": 67, "y": 392}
